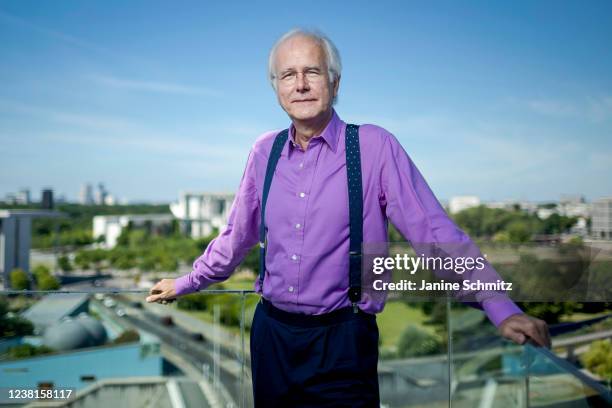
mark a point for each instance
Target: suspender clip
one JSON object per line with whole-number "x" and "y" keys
{"x": 355, "y": 308}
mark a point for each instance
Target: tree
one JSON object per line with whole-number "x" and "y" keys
{"x": 251, "y": 261}
{"x": 167, "y": 263}
{"x": 63, "y": 262}
{"x": 146, "y": 263}
{"x": 98, "y": 258}
{"x": 12, "y": 325}
{"x": 27, "y": 350}
{"x": 598, "y": 359}
{"x": 19, "y": 279}
{"x": 550, "y": 312}
{"x": 82, "y": 259}
{"x": 48, "y": 282}
{"x": 416, "y": 341}
{"x": 44, "y": 279}
{"x": 194, "y": 301}
{"x": 519, "y": 231}
{"x": 40, "y": 270}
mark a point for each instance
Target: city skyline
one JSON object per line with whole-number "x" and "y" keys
{"x": 493, "y": 100}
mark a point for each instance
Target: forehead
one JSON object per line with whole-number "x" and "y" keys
{"x": 298, "y": 52}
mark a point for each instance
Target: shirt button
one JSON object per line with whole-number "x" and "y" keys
{"x": 294, "y": 257}
{"x": 290, "y": 288}
{"x": 298, "y": 226}
{"x": 301, "y": 165}
{"x": 302, "y": 195}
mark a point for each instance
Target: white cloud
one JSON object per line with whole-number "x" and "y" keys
{"x": 553, "y": 107}
{"x": 153, "y": 86}
{"x": 594, "y": 109}
{"x": 103, "y": 130}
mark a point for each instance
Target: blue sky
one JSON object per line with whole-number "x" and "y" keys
{"x": 504, "y": 100}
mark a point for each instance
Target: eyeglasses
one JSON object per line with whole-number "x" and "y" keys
{"x": 288, "y": 78}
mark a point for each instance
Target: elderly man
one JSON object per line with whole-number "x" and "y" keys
{"x": 312, "y": 195}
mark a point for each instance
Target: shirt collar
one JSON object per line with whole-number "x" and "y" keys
{"x": 330, "y": 134}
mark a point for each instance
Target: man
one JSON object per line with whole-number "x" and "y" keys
{"x": 311, "y": 343}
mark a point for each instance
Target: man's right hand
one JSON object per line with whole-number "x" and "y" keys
{"x": 162, "y": 292}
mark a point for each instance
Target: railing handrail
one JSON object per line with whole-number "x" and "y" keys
{"x": 115, "y": 291}
{"x": 605, "y": 393}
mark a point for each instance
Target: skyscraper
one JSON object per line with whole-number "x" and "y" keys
{"x": 86, "y": 194}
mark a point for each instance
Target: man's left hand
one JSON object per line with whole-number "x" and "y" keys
{"x": 520, "y": 327}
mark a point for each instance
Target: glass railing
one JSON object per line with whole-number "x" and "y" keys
{"x": 105, "y": 347}
{"x": 413, "y": 369}
{"x": 488, "y": 371}
{"x": 111, "y": 348}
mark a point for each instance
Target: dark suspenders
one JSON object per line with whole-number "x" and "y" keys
{"x": 275, "y": 153}
{"x": 355, "y": 195}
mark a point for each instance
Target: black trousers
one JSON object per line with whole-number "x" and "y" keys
{"x": 325, "y": 360}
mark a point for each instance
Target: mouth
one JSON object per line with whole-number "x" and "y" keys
{"x": 303, "y": 100}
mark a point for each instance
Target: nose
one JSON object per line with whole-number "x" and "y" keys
{"x": 301, "y": 83}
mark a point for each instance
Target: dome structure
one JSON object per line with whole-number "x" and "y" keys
{"x": 94, "y": 327}
{"x": 71, "y": 333}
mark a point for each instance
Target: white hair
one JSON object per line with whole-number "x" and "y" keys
{"x": 332, "y": 56}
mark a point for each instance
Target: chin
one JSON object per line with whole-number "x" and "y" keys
{"x": 306, "y": 114}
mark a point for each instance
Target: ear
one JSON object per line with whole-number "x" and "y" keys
{"x": 336, "y": 86}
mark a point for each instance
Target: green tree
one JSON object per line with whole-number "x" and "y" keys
{"x": 27, "y": 350}
{"x": 12, "y": 325}
{"x": 19, "y": 279}
{"x": 98, "y": 258}
{"x": 416, "y": 341}
{"x": 557, "y": 224}
{"x": 598, "y": 359}
{"x": 63, "y": 262}
{"x": 48, "y": 282}
{"x": 519, "y": 231}
{"x": 550, "y": 312}
{"x": 194, "y": 301}
{"x": 40, "y": 270}
{"x": 251, "y": 261}
{"x": 82, "y": 259}
{"x": 167, "y": 263}
{"x": 146, "y": 263}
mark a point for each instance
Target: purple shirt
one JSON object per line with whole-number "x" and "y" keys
{"x": 307, "y": 220}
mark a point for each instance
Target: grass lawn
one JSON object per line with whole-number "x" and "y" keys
{"x": 394, "y": 319}
{"x": 391, "y": 322}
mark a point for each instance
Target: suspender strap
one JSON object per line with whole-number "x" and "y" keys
{"x": 277, "y": 147}
{"x": 355, "y": 195}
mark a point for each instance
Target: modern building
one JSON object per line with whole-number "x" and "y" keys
{"x": 23, "y": 196}
{"x": 15, "y": 238}
{"x": 111, "y": 226}
{"x": 460, "y": 203}
{"x": 574, "y": 206}
{"x": 46, "y": 200}
{"x": 53, "y": 308}
{"x": 86, "y": 194}
{"x": 99, "y": 371}
{"x": 544, "y": 213}
{"x": 200, "y": 213}
{"x": 601, "y": 218}
{"x": 101, "y": 194}
{"x": 83, "y": 368}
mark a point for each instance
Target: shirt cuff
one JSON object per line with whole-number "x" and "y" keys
{"x": 183, "y": 285}
{"x": 499, "y": 309}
